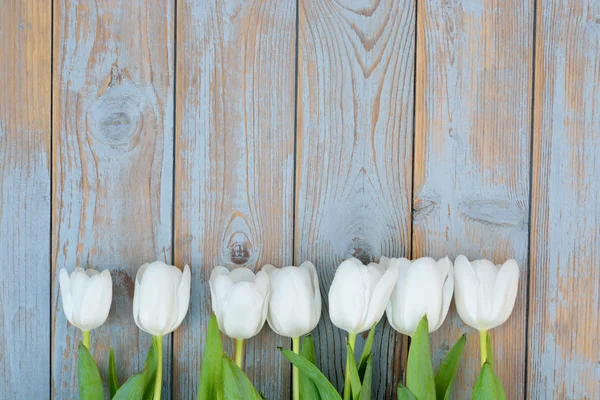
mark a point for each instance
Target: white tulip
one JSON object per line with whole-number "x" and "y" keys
{"x": 86, "y": 297}
{"x": 240, "y": 300}
{"x": 424, "y": 287}
{"x": 359, "y": 295}
{"x": 161, "y": 297}
{"x": 295, "y": 304}
{"x": 485, "y": 293}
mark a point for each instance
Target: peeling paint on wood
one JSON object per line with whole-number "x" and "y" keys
{"x": 234, "y": 165}
{"x": 564, "y": 316}
{"x": 353, "y": 179}
{"x": 25, "y": 31}
{"x": 472, "y": 157}
{"x": 112, "y": 167}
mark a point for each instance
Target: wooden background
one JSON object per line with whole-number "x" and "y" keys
{"x": 245, "y": 132}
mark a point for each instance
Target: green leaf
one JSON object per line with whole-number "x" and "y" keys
{"x": 365, "y": 393}
{"x": 490, "y": 353}
{"x": 133, "y": 388}
{"x": 446, "y": 375}
{"x": 419, "y": 373}
{"x": 88, "y": 377}
{"x": 488, "y": 386}
{"x": 141, "y": 385}
{"x": 404, "y": 393}
{"x": 326, "y": 389}
{"x": 236, "y": 385}
{"x": 211, "y": 370}
{"x": 308, "y": 390}
{"x": 366, "y": 352}
{"x": 150, "y": 367}
{"x": 113, "y": 383}
{"x": 352, "y": 371}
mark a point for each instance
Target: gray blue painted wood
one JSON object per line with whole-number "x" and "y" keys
{"x": 472, "y": 158}
{"x": 25, "y": 74}
{"x": 234, "y": 165}
{"x": 112, "y": 167}
{"x": 564, "y": 316}
{"x": 354, "y": 157}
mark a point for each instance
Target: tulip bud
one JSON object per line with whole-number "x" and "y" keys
{"x": 240, "y": 300}
{"x": 86, "y": 297}
{"x": 424, "y": 287}
{"x": 161, "y": 297}
{"x": 359, "y": 294}
{"x": 295, "y": 304}
{"x": 485, "y": 293}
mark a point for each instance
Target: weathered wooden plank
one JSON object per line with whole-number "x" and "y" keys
{"x": 564, "y": 351}
{"x": 472, "y": 157}
{"x": 355, "y": 130}
{"x": 25, "y": 73}
{"x": 112, "y": 166}
{"x": 234, "y": 164}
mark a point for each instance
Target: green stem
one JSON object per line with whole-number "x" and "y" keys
{"x": 483, "y": 345}
{"x": 239, "y": 352}
{"x": 86, "y": 339}
{"x": 349, "y": 359}
{"x": 158, "y": 383}
{"x": 295, "y": 371}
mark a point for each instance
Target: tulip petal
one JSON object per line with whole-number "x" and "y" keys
{"x": 316, "y": 291}
{"x": 466, "y": 288}
{"x": 380, "y": 297}
{"x": 242, "y": 274}
{"x": 65, "y": 294}
{"x": 447, "y": 291}
{"x": 423, "y": 294}
{"x": 220, "y": 285}
{"x": 244, "y": 310}
{"x": 505, "y": 292}
{"x": 156, "y": 298}
{"x": 94, "y": 310}
{"x": 348, "y": 296}
{"x": 486, "y": 272}
{"x": 269, "y": 269}
{"x": 290, "y": 305}
{"x": 183, "y": 297}
{"x": 395, "y": 307}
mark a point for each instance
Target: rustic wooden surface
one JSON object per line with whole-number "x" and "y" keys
{"x": 354, "y": 150}
{"x": 472, "y": 157}
{"x": 230, "y": 132}
{"x": 25, "y": 74}
{"x": 234, "y": 165}
{"x": 564, "y": 327}
{"x": 112, "y": 166}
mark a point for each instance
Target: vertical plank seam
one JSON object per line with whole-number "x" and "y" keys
{"x": 173, "y": 181}
{"x": 51, "y": 292}
{"x": 406, "y": 339}
{"x": 294, "y": 177}
{"x": 531, "y": 166}
{"x": 414, "y": 129}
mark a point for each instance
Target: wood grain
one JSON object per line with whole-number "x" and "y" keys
{"x": 564, "y": 352}
{"x": 25, "y": 73}
{"x": 112, "y": 167}
{"x": 353, "y": 179}
{"x": 472, "y": 158}
{"x": 234, "y": 165}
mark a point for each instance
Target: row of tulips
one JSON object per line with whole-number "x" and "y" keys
{"x": 414, "y": 295}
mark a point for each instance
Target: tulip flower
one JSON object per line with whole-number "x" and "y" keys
{"x": 240, "y": 300}
{"x": 160, "y": 303}
{"x": 294, "y": 306}
{"x": 424, "y": 287}
{"x": 485, "y": 294}
{"x": 86, "y": 298}
{"x": 358, "y": 297}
